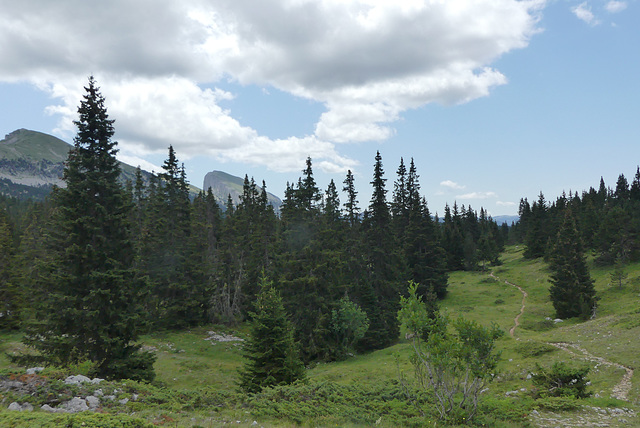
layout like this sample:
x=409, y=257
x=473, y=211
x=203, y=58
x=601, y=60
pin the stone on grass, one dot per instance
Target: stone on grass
x=93, y=402
x=75, y=405
x=24, y=407
x=78, y=379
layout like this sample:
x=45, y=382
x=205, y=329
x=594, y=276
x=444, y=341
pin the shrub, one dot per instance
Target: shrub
x=561, y=381
x=455, y=367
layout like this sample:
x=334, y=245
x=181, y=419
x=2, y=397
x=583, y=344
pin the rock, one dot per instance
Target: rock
x=98, y=393
x=25, y=407
x=557, y=320
x=124, y=401
x=75, y=405
x=134, y=397
x=110, y=397
x=221, y=337
x=78, y=379
x=34, y=370
x=48, y=408
x=93, y=402
x=13, y=384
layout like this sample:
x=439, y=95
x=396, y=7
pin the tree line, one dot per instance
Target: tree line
x=147, y=255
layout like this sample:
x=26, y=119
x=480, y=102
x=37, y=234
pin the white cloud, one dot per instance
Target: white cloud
x=477, y=195
x=452, y=185
x=615, y=6
x=506, y=204
x=367, y=61
x=583, y=12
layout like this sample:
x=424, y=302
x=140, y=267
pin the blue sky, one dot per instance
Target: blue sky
x=494, y=99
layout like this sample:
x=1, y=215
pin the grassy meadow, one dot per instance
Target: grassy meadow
x=196, y=377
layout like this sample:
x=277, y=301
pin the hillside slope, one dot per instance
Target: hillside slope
x=31, y=162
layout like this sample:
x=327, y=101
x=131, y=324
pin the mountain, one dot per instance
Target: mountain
x=222, y=185
x=499, y=219
x=32, y=162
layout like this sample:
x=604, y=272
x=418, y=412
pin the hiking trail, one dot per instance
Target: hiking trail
x=620, y=390
x=524, y=296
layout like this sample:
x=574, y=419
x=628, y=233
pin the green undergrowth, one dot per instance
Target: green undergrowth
x=84, y=420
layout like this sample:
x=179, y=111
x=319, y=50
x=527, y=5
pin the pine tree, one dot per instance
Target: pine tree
x=634, y=191
x=351, y=206
x=537, y=235
x=92, y=311
x=271, y=355
x=10, y=301
x=166, y=245
x=380, y=295
x=572, y=288
x=425, y=258
x=452, y=240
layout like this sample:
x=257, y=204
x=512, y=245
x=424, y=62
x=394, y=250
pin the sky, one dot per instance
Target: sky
x=495, y=100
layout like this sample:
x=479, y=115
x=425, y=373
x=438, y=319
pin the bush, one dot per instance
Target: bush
x=84, y=420
x=561, y=381
x=558, y=404
x=329, y=403
x=454, y=367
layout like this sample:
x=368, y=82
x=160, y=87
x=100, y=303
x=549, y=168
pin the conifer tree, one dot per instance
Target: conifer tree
x=424, y=256
x=92, y=310
x=379, y=296
x=634, y=191
x=536, y=234
x=271, y=355
x=452, y=240
x=165, y=248
x=351, y=205
x=572, y=288
x=9, y=296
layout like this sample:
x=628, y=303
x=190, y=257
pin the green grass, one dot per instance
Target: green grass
x=34, y=146
x=196, y=380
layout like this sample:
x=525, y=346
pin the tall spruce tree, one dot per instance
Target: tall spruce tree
x=425, y=258
x=351, y=205
x=572, y=288
x=379, y=294
x=92, y=310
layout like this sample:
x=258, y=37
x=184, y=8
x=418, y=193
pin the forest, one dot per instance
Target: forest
x=99, y=263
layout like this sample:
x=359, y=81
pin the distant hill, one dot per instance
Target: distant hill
x=222, y=185
x=32, y=162
x=506, y=219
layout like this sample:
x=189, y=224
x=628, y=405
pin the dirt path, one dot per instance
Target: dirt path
x=621, y=390
x=524, y=296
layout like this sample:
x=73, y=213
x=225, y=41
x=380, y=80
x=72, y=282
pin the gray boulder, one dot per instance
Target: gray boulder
x=93, y=402
x=75, y=405
x=24, y=407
